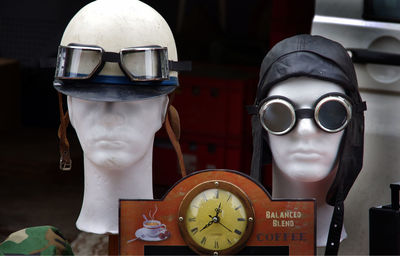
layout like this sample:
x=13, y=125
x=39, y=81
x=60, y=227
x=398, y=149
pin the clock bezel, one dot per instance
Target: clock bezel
x=212, y=184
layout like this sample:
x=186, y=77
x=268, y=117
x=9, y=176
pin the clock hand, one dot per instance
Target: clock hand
x=225, y=227
x=218, y=210
x=207, y=225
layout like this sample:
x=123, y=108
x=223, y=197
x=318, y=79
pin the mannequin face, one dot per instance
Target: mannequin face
x=114, y=135
x=306, y=153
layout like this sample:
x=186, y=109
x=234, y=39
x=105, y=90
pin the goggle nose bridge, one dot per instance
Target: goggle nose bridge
x=304, y=113
x=111, y=57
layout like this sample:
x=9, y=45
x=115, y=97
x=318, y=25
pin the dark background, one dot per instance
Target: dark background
x=222, y=38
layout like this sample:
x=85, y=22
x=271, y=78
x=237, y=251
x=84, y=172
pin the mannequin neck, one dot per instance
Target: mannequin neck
x=288, y=187
x=103, y=189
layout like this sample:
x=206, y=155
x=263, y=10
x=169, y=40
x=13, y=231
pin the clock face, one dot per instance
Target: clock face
x=216, y=217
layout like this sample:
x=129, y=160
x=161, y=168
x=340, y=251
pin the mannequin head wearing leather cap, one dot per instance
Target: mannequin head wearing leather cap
x=117, y=65
x=305, y=72
x=306, y=153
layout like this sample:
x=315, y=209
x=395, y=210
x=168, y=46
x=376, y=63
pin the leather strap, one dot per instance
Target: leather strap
x=172, y=126
x=65, y=159
x=335, y=230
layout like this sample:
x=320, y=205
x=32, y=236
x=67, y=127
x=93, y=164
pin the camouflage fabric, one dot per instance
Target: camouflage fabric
x=42, y=240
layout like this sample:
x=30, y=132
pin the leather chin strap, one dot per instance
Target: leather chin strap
x=335, y=230
x=172, y=125
x=65, y=158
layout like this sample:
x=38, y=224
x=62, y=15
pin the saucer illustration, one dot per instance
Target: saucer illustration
x=142, y=235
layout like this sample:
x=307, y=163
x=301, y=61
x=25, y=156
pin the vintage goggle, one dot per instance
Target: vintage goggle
x=147, y=63
x=331, y=112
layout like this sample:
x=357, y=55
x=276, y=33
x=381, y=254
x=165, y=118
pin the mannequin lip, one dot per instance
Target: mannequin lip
x=115, y=135
x=109, y=142
x=306, y=154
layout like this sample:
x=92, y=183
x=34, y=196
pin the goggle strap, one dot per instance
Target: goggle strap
x=180, y=65
x=65, y=158
x=304, y=113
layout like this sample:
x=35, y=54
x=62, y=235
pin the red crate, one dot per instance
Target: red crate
x=214, y=106
x=216, y=130
x=199, y=152
x=211, y=153
x=165, y=163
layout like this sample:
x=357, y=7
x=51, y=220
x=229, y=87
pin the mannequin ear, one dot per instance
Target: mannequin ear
x=70, y=110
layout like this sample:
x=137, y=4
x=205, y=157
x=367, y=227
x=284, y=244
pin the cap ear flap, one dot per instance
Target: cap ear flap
x=258, y=148
x=350, y=159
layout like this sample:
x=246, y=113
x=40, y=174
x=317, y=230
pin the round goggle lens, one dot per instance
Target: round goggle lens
x=332, y=115
x=277, y=117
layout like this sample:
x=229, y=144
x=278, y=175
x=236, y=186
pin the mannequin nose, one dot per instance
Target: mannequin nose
x=108, y=107
x=306, y=127
x=110, y=114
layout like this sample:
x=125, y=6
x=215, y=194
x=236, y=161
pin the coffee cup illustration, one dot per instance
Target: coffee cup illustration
x=153, y=228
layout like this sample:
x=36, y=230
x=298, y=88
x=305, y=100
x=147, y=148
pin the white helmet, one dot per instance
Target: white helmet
x=125, y=43
x=115, y=50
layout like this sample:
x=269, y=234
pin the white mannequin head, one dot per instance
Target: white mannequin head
x=305, y=159
x=306, y=153
x=116, y=134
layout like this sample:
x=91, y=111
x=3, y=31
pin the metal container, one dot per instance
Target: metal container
x=371, y=27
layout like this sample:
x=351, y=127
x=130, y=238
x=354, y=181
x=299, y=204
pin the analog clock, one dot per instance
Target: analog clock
x=216, y=217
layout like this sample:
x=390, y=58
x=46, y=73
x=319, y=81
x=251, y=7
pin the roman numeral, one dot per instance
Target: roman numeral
x=229, y=241
x=203, y=241
x=238, y=232
x=230, y=195
x=216, y=246
x=237, y=208
x=241, y=219
x=217, y=194
x=205, y=197
x=192, y=219
x=194, y=231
